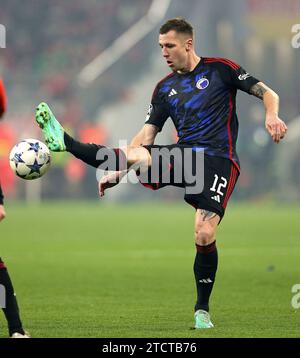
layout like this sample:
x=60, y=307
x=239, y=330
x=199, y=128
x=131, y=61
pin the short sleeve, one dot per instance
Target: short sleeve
x=158, y=111
x=237, y=77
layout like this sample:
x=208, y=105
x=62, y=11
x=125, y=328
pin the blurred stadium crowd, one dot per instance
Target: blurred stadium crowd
x=50, y=41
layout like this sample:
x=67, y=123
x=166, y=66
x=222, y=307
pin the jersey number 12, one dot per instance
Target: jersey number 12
x=218, y=185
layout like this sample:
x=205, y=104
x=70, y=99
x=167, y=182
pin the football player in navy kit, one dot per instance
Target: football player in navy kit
x=199, y=96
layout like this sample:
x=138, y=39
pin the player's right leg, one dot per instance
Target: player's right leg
x=210, y=205
x=205, y=264
x=202, y=320
x=93, y=154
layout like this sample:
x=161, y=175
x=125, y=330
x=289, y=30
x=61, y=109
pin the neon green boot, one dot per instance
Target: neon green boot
x=52, y=130
x=202, y=320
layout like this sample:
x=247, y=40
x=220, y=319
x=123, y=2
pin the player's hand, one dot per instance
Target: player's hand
x=276, y=127
x=109, y=181
x=2, y=212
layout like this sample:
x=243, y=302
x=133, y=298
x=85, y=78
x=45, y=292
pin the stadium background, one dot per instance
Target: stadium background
x=50, y=42
x=48, y=45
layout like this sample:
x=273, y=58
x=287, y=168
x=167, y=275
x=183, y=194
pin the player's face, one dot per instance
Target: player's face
x=175, y=49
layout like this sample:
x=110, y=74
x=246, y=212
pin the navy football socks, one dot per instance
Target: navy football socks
x=205, y=268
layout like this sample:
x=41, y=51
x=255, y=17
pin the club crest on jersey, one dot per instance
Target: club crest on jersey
x=202, y=83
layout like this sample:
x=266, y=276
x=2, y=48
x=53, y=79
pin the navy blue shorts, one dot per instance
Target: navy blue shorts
x=219, y=176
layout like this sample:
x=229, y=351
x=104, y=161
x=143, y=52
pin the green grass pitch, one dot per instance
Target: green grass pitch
x=96, y=270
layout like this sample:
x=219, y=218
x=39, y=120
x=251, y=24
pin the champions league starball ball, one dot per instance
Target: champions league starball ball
x=30, y=159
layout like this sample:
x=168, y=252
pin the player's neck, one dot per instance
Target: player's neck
x=191, y=65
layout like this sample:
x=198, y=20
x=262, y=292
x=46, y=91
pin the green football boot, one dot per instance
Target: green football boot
x=52, y=130
x=202, y=320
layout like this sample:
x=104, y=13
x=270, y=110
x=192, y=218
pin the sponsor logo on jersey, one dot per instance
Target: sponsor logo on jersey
x=244, y=76
x=149, y=112
x=202, y=83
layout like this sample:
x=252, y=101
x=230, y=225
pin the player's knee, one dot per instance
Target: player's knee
x=204, y=235
x=138, y=156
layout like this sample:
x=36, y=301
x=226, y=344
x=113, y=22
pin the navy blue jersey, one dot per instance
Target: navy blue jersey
x=201, y=103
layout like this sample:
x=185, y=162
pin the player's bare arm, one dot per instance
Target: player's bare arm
x=146, y=136
x=274, y=125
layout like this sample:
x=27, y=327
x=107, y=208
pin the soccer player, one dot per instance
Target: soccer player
x=11, y=310
x=199, y=95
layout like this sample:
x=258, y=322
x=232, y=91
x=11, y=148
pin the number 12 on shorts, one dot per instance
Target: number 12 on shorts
x=219, y=184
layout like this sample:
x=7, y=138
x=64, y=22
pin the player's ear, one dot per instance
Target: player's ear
x=189, y=44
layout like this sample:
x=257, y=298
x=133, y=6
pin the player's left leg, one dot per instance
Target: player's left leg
x=11, y=310
x=205, y=264
x=52, y=129
x=92, y=154
x=112, y=159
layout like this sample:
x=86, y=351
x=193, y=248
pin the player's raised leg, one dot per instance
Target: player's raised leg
x=205, y=265
x=58, y=141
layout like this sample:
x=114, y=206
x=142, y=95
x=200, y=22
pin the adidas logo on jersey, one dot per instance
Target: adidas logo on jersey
x=216, y=198
x=172, y=93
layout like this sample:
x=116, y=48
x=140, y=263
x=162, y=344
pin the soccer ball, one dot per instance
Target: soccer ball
x=30, y=159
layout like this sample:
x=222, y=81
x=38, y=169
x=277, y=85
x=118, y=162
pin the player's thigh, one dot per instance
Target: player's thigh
x=206, y=223
x=220, y=177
